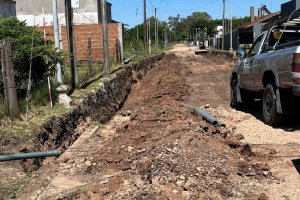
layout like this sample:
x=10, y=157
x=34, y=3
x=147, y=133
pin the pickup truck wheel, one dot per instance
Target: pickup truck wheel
x=233, y=94
x=270, y=114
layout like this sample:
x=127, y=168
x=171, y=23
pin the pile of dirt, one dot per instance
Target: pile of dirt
x=156, y=148
x=165, y=152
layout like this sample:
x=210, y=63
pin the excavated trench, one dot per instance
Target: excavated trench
x=152, y=147
x=100, y=106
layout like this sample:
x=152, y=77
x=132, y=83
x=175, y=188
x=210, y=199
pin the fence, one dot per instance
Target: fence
x=217, y=42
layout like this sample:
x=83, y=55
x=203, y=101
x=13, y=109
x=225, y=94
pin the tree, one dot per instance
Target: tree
x=131, y=34
x=174, y=24
x=180, y=27
x=21, y=39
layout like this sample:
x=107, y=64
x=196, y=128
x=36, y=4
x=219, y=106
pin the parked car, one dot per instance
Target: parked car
x=269, y=71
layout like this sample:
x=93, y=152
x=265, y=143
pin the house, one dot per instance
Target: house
x=7, y=8
x=87, y=21
x=290, y=15
x=250, y=31
x=247, y=33
x=288, y=7
x=38, y=12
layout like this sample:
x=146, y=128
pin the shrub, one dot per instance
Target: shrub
x=43, y=56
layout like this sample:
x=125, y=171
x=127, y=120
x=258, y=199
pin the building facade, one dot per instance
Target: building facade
x=37, y=12
x=87, y=20
x=7, y=8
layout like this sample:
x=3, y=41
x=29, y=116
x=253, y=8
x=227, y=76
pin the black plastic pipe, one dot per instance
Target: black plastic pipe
x=20, y=156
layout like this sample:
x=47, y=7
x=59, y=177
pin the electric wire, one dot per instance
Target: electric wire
x=85, y=17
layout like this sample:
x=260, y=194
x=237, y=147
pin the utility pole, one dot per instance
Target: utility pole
x=137, y=27
x=149, y=35
x=195, y=35
x=105, y=38
x=57, y=41
x=223, y=25
x=71, y=42
x=230, y=25
x=166, y=37
x=156, y=43
x=145, y=26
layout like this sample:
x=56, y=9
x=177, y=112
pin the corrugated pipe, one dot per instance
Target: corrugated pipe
x=206, y=116
x=21, y=156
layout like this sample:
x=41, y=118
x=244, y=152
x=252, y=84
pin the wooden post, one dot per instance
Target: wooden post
x=91, y=70
x=3, y=64
x=71, y=42
x=11, y=91
x=105, y=38
x=118, y=51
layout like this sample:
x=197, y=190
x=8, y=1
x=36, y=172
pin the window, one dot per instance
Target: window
x=256, y=45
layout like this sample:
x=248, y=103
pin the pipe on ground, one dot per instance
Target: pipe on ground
x=128, y=60
x=206, y=116
x=21, y=156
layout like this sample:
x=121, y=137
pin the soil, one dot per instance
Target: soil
x=156, y=148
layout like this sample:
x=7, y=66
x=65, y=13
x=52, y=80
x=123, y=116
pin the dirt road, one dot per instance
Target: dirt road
x=155, y=148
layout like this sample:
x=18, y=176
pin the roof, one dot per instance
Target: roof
x=281, y=21
x=261, y=20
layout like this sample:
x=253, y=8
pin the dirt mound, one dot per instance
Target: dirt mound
x=167, y=152
x=156, y=148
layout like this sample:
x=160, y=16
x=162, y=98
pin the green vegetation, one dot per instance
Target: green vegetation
x=43, y=55
x=14, y=187
x=178, y=28
x=84, y=73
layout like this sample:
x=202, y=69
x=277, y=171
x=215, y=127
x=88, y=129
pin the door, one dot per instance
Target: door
x=248, y=70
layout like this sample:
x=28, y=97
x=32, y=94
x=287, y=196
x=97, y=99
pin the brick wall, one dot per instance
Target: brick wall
x=82, y=35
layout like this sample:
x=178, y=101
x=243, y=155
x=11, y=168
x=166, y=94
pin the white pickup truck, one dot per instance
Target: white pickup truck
x=270, y=71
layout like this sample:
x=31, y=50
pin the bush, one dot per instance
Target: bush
x=44, y=56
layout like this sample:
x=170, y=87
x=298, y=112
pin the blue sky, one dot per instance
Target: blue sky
x=125, y=10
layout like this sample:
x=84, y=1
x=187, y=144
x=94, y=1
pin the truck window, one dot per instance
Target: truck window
x=288, y=36
x=256, y=45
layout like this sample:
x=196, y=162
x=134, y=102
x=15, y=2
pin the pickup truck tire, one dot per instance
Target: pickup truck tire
x=270, y=114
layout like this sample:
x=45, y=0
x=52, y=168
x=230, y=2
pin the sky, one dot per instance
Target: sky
x=131, y=11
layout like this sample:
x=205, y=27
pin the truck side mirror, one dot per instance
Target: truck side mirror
x=241, y=53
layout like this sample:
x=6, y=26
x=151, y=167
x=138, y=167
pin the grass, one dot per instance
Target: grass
x=15, y=186
x=84, y=73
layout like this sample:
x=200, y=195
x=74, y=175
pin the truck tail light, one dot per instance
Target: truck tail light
x=296, y=62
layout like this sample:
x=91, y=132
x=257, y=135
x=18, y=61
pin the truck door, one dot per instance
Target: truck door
x=245, y=81
x=251, y=62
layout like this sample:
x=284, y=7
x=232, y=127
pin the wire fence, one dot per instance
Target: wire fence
x=86, y=72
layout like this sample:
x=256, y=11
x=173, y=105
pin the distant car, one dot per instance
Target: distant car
x=202, y=45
